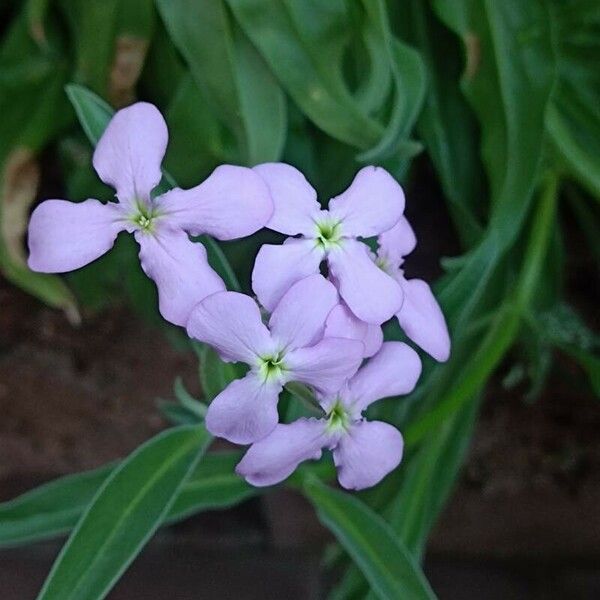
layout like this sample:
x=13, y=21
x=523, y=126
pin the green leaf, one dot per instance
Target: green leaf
x=177, y=414
x=509, y=79
x=94, y=115
x=409, y=77
x=573, y=119
x=127, y=510
x=187, y=410
x=508, y=82
x=92, y=111
x=215, y=374
x=200, y=144
x=187, y=400
x=478, y=363
x=368, y=539
x=92, y=31
x=303, y=44
x=213, y=485
x=429, y=477
x=447, y=124
x=51, y=509
x=54, y=508
x=234, y=78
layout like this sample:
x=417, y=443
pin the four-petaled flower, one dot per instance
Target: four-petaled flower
x=372, y=204
x=420, y=316
x=233, y=202
x=292, y=348
x=363, y=451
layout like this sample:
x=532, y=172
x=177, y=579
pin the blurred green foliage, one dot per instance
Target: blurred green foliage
x=502, y=99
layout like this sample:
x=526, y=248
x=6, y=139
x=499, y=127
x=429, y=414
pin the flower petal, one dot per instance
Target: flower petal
x=232, y=203
x=373, y=340
x=245, y=411
x=367, y=453
x=396, y=243
x=294, y=199
x=231, y=323
x=370, y=293
x=393, y=371
x=371, y=205
x=129, y=153
x=342, y=323
x=64, y=236
x=278, y=267
x=180, y=269
x=301, y=314
x=276, y=457
x=326, y=365
x=422, y=319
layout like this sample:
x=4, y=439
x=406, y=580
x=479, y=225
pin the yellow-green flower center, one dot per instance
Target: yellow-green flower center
x=329, y=233
x=145, y=217
x=271, y=367
x=338, y=418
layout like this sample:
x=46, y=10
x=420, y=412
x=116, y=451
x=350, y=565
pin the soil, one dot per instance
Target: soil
x=75, y=398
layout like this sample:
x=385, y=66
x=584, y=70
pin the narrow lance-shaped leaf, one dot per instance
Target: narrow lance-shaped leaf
x=476, y=368
x=127, y=510
x=447, y=124
x=409, y=78
x=92, y=31
x=234, y=78
x=303, y=43
x=495, y=85
x=573, y=120
x=54, y=508
x=381, y=556
x=508, y=82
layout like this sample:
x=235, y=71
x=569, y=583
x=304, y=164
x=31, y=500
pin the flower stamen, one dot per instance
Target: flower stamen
x=271, y=367
x=338, y=419
x=144, y=218
x=329, y=234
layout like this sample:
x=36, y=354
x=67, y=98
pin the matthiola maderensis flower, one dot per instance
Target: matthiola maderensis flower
x=420, y=316
x=372, y=204
x=233, y=202
x=290, y=349
x=364, y=452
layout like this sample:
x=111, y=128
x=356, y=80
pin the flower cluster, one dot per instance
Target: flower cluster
x=322, y=295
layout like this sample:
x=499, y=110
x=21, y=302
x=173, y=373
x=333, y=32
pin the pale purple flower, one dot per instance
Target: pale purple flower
x=420, y=317
x=233, y=202
x=372, y=204
x=364, y=452
x=290, y=349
